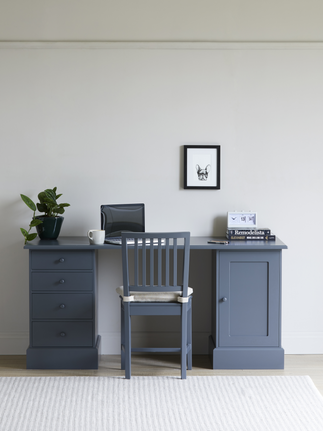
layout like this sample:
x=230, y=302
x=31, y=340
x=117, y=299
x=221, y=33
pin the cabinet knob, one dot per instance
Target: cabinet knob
x=63, y=334
x=62, y=281
x=224, y=299
x=62, y=306
x=61, y=260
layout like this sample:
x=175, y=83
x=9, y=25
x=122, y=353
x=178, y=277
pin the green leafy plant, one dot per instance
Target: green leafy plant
x=47, y=204
x=34, y=222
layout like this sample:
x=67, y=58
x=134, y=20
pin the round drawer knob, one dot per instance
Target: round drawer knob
x=62, y=281
x=62, y=260
x=62, y=306
x=63, y=334
x=224, y=299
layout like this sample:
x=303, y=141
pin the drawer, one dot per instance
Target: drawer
x=61, y=259
x=62, y=306
x=62, y=281
x=62, y=334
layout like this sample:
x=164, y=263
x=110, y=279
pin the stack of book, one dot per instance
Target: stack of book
x=250, y=235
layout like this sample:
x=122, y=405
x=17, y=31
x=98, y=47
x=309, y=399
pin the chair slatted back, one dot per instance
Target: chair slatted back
x=155, y=262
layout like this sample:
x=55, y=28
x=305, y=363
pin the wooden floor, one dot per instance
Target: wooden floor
x=295, y=365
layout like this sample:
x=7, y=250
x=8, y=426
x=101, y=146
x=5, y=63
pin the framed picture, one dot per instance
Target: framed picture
x=201, y=166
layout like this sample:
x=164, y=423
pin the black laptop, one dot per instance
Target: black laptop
x=116, y=219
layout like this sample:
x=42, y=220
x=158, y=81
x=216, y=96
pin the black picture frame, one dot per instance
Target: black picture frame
x=202, y=166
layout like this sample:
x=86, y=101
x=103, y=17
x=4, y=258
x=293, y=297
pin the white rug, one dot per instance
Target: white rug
x=159, y=404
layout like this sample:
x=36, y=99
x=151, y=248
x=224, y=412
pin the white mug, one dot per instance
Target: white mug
x=96, y=236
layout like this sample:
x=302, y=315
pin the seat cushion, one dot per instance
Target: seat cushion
x=154, y=297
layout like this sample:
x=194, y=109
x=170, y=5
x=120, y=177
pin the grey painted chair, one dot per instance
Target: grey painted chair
x=155, y=282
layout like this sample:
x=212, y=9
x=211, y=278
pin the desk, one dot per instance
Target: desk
x=246, y=304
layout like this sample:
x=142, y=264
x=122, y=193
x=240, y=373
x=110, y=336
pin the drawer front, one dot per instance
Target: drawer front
x=62, y=306
x=60, y=260
x=62, y=334
x=62, y=281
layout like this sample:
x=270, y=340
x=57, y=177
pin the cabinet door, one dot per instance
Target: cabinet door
x=248, y=298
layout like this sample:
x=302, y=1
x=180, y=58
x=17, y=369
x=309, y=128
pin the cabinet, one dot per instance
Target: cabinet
x=246, y=328
x=63, y=328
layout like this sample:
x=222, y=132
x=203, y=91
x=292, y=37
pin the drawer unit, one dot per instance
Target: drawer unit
x=62, y=306
x=61, y=260
x=62, y=309
x=62, y=281
x=62, y=334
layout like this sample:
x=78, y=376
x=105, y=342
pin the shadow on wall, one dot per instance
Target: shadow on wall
x=220, y=225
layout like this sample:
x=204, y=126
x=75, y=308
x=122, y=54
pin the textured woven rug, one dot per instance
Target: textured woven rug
x=160, y=403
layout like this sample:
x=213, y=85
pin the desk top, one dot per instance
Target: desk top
x=197, y=243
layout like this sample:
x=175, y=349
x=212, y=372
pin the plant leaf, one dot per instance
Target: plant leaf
x=31, y=236
x=41, y=208
x=58, y=196
x=24, y=232
x=60, y=210
x=35, y=222
x=30, y=204
x=41, y=196
x=50, y=194
x=64, y=205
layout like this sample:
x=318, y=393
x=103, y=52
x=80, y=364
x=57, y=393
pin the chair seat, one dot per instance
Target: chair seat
x=154, y=296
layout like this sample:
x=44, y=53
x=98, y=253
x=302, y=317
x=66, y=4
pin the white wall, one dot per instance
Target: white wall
x=106, y=122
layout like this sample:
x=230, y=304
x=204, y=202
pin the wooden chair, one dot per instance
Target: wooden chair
x=157, y=287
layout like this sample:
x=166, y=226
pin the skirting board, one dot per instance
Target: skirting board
x=294, y=343
x=110, y=341
x=303, y=343
x=14, y=343
x=163, y=45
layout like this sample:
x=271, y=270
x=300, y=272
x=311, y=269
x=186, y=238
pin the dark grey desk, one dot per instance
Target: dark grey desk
x=246, y=304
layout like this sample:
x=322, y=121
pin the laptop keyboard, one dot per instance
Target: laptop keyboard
x=118, y=241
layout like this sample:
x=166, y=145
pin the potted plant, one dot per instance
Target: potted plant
x=48, y=224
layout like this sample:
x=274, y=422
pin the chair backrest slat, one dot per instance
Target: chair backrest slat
x=143, y=262
x=160, y=263
x=155, y=262
x=167, y=263
x=175, y=262
x=152, y=266
x=136, y=263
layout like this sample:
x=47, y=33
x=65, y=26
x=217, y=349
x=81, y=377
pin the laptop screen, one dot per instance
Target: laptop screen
x=122, y=218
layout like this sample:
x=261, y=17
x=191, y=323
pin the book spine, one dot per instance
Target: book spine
x=250, y=232
x=251, y=237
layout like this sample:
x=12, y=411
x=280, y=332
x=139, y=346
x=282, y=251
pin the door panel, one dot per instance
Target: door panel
x=248, y=299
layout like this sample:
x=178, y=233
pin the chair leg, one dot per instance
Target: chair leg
x=122, y=338
x=189, y=336
x=127, y=322
x=184, y=341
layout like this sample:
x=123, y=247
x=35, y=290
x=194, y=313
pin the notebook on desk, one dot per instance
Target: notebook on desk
x=116, y=219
